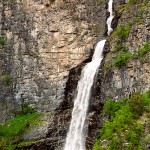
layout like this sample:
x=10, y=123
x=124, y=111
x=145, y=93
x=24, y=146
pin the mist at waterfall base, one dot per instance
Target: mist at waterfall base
x=76, y=136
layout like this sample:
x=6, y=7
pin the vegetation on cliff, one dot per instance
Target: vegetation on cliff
x=122, y=59
x=128, y=126
x=122, y=49
x=2, y=41
x=12, y=131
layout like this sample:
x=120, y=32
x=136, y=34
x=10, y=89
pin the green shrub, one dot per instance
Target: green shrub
x=134, y=135
x=110, y=107
x=121, y=60
x=2, y=41
x=137, y=104
x=97, y=146
x=115, y=143
x=144, y=50
x=123, y=116
x=7, y=79
x=26, y=110
x=123, y=32
x=123, y=127
x=132, y=2
x=125, y=49
x=120, y=47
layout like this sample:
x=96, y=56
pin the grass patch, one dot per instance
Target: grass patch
x=142, y=51
x=15, y=128
x=132, y=2
x=125, y=129
x=24, y=144
x=17, y=125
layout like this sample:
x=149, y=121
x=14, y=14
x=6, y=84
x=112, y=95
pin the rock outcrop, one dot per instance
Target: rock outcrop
x=121, y=82
x=44, y=40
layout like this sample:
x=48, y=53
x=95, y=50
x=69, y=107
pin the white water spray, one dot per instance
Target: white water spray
x=109, y=20
x=76, y=136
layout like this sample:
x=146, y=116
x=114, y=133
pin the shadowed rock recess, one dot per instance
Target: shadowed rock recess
x=47, y=43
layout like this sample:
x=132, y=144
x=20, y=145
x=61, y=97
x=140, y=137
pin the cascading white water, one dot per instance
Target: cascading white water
x=109, y=20
x=76, y=136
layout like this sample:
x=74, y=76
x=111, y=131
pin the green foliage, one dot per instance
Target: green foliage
x=2, y=41
x=101, y=2
x=123, y=32
x=133, y=135
x=133, y=2
x=121, y=60
x=119, y=47
x=97, y=146
x=15, y=128
x=17, y=125
x=144, y=50
x=110, y=107
x=7, y=79
x=123, y=126
x=28, y=143
x=26, y=110
x=138, y=20
x=137, y=104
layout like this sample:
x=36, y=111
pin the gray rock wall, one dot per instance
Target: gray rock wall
x=118, y=83
x=44, y=41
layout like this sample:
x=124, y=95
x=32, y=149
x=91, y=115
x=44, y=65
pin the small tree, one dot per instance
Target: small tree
x=137, y=104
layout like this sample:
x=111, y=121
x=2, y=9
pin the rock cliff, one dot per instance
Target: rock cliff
x=47, y=43
x=131, y=37
x=44, y=40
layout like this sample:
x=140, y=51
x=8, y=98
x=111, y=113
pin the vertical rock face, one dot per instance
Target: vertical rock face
x=44, y=41
x=117, y=83
x=121, y=82
x=47, y=44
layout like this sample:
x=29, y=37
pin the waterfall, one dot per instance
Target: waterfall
x=109, y=20
x=77, y=135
